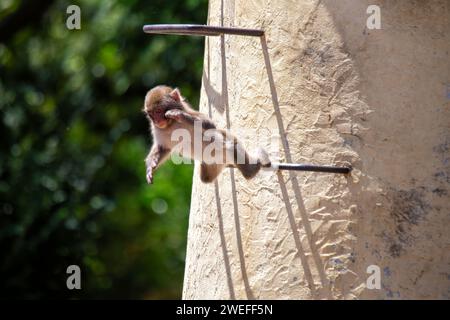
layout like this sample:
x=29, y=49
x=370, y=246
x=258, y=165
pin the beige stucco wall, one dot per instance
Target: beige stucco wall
x=340, y=94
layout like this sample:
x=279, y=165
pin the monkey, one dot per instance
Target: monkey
x=167, y=110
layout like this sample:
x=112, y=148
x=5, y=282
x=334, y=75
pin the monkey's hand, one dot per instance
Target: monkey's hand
x=150, y=168
x=149, y=175
x=175, y=114
x=158, y=154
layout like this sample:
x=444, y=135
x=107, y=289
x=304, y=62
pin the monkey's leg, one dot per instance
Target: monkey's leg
x=249, y=170
x=252, y=164
x=209, y=172
x=157, y=155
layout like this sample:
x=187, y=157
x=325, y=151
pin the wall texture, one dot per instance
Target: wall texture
x=329, y=91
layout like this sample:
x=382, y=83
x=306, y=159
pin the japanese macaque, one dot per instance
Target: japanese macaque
x=170, y=116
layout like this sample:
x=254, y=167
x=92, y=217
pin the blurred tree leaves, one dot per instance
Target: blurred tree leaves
x=73, y=140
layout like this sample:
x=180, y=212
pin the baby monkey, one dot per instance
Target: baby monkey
x=167, y=112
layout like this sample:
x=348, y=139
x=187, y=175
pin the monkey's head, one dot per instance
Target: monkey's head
x=158, y=101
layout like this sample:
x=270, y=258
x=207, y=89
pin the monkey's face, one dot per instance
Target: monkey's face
x=157, y=116
x=158, y=101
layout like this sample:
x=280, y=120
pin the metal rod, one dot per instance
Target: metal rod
x=308, y=167
x=199, y=30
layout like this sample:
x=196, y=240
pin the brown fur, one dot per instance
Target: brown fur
x=176, y=110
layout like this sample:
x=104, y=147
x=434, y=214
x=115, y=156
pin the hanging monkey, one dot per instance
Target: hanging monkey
x=167, y=111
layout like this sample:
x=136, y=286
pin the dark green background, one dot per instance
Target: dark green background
x=73, y=141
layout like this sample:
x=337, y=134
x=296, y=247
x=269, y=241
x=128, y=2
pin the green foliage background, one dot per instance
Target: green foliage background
x=73, y=140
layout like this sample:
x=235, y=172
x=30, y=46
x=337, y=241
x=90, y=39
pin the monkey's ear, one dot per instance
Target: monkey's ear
x=176, y=95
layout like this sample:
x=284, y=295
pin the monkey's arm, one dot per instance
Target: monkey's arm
x=157, y=155
x=188, y=118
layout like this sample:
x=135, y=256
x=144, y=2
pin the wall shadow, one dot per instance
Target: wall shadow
x=223, y=243
x=237, y=222
x=293, y=225
x=220, y=101
x=295, y=186
x=215, y=98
